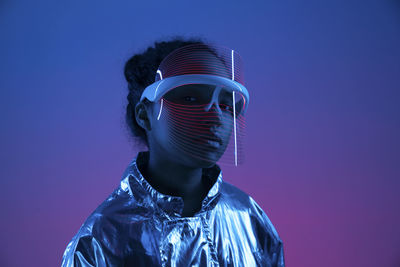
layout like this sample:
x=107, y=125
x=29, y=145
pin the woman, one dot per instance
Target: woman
x=172, y=207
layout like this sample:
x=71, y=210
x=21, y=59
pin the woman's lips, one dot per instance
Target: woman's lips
x=211, y=140
x=213, y=144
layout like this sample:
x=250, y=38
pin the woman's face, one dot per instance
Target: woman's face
x=193, y=124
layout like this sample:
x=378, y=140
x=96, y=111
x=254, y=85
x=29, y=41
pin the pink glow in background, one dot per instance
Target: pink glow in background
x=323, y=124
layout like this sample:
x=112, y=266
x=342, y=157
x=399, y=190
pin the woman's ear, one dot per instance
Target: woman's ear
x=142, y=112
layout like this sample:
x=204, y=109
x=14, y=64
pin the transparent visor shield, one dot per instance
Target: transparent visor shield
x=199, y=90
x=205, y=122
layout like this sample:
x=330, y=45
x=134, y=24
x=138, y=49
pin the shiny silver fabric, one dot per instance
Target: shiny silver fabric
x=138, y=226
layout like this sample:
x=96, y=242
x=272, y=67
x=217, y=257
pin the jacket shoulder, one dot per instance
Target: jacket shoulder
x=86, y=247
x=270, y=244
x=241, y=199
x=98, y=241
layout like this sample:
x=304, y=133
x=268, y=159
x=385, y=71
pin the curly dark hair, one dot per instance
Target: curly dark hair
x=140, y=71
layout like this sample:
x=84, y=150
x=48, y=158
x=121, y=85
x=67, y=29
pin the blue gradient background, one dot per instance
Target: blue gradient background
x=323, y=125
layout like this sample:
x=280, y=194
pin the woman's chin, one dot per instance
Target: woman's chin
x=196, y=158
x=205, y=160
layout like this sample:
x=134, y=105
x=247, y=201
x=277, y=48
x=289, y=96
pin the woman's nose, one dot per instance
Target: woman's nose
x=214, y=114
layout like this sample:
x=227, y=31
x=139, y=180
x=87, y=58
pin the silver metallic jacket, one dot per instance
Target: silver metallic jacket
x=138, y=226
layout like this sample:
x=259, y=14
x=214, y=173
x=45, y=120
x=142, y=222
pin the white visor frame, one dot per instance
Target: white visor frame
x=156, y=90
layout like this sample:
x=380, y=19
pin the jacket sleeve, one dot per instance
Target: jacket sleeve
x=271, y=246
x=84, y=251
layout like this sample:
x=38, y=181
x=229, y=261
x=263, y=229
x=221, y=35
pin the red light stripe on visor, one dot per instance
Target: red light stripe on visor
x=202, y=59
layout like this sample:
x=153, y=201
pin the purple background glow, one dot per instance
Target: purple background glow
x=323, y=124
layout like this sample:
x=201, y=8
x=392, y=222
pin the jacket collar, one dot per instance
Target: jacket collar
x=170, y=205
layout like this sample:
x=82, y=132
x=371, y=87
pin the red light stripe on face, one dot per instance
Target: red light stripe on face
x=192, y=129
x=203, y=125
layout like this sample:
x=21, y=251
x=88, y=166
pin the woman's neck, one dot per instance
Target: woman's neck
x=171, y=178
